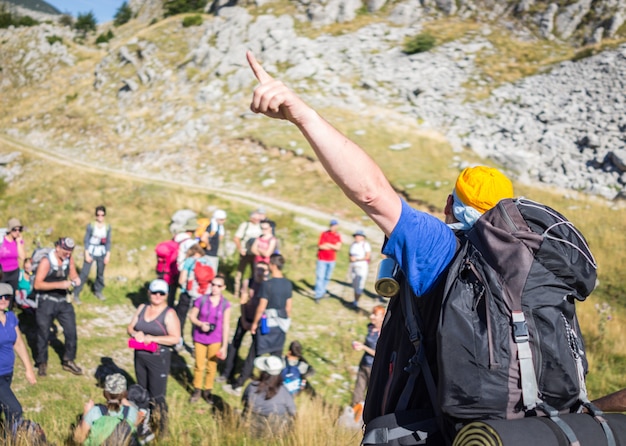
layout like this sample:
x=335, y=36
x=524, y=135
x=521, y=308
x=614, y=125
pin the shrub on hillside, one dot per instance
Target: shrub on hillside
x=85, y=22
x=122, y=15
x=173, y=7
x=26, y=21
x=67, y=20
x=192, y=20
x=105, y=37
x=419, y=44
x=54, y=39
x=7, y=18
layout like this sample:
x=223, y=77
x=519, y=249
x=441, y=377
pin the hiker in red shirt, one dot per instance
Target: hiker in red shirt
x=329, y=244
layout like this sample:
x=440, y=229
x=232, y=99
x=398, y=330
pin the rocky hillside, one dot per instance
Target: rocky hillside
x=158, y=91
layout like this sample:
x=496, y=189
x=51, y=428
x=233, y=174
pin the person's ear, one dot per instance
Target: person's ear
x=449, y=203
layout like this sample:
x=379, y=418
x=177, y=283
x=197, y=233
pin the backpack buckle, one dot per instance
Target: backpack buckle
x=520, y=327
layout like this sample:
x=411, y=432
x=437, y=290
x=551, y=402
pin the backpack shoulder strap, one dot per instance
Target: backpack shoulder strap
x=103, y=409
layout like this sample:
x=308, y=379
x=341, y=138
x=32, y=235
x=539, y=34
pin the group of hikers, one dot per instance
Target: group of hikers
x=188, y=287
x=457, y=343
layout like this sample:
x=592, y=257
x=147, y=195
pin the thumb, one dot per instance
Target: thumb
x=257, y=69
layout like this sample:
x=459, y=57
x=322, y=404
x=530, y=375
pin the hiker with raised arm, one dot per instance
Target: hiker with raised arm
x=457, y=344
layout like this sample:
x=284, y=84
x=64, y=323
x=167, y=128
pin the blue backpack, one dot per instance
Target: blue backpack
x=292, y=378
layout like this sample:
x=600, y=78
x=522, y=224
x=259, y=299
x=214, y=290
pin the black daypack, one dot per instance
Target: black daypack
x=496, y=338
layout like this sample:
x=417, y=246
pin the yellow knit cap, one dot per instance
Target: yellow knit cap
x=482, y=187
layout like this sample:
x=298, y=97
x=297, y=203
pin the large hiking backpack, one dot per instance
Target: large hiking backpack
x=166, y=254
x=199, y=278
x=31, y=299
x=503, y=327
x=111, y=430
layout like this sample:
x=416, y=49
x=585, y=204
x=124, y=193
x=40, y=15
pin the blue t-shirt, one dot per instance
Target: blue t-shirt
x=422, y=245
x=95, y=413
x=8, y=336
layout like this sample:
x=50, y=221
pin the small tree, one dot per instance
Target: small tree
x=123, y=15
x=85, y=22
x=105, y=37
x=67, y=20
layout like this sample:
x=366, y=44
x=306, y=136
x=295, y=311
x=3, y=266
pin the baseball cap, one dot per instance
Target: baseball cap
x=66, y=243
x=333, y=222
x=115, y=383
x=359, y=232
x=159, y=285
x=6, y=289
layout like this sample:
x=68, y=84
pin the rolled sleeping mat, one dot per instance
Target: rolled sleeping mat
x=542, y=431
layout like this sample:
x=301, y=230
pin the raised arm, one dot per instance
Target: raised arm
x=349, y=166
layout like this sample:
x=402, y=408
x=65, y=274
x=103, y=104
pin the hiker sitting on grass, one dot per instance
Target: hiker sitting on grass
x=100, y=422
x=267, y=403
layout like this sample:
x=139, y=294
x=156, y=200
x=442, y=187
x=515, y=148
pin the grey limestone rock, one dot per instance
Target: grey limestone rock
x=546, y=21
x=568, y=20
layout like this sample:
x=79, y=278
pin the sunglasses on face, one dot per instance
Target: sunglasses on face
x=6, y=297
x=17, y=228
x=160, y=293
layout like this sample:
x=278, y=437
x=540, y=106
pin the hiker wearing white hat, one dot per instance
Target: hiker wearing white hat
x=360, y=252
x=267, y=403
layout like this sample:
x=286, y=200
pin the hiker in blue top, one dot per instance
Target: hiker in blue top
x=421, y=244
x=11, y=342
x=97, y=249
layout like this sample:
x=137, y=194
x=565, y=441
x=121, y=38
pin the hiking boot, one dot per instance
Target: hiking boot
x=195, y=396
x=206, y=396
x=100, y=296
x=70, y=366
x=42, y=369
x=144, y=434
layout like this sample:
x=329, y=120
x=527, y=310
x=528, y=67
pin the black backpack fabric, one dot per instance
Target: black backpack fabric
x=451, y=356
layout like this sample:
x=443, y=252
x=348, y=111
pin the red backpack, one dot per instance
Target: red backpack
x=199, y=278
x=166, y=254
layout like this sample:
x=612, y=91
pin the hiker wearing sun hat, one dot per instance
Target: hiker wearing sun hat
x=267, y=403
x=360, y=252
